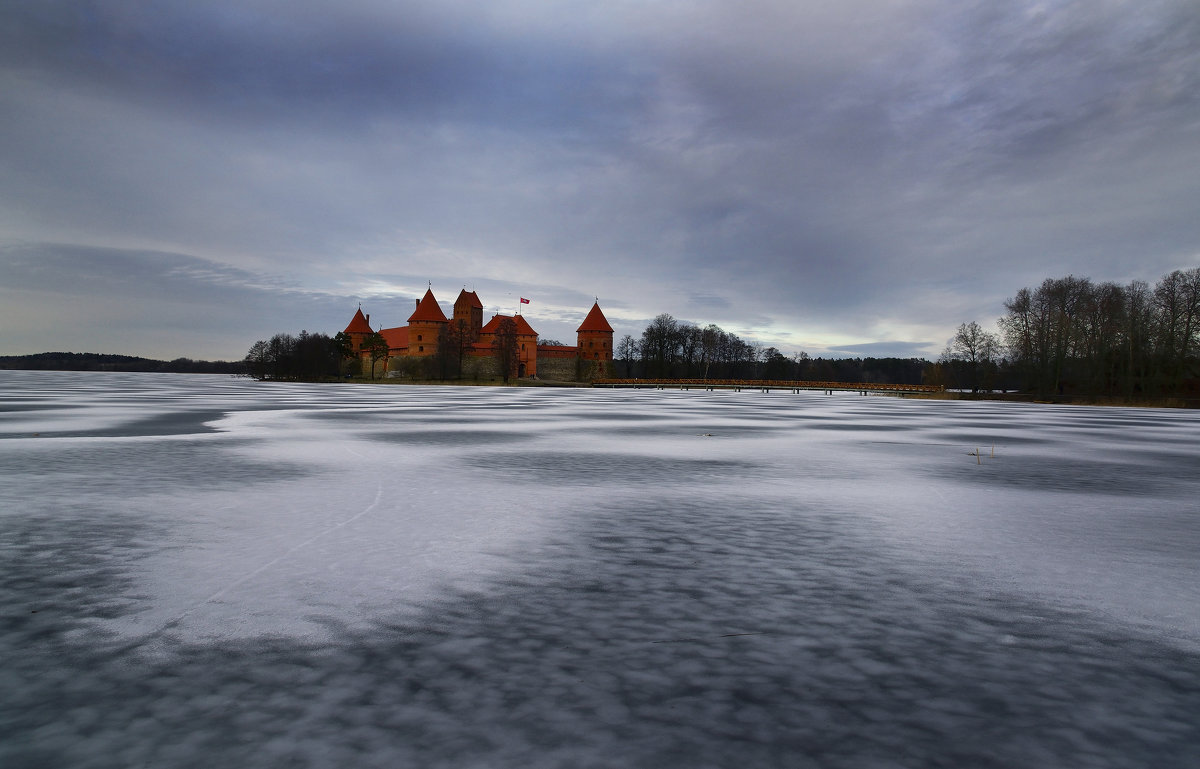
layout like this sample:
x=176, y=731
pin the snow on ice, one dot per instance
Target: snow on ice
x=200, y=570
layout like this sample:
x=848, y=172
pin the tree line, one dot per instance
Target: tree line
x=304, y=357
x=90, y=361
x=673, y=349
x=1077, y=337
x=1067, y=336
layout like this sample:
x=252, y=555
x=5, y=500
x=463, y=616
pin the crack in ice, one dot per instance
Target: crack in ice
x=242, y=580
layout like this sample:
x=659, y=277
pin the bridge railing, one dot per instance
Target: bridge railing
x=769, y=384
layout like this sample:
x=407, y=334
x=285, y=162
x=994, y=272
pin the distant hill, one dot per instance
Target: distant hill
x=91, y=361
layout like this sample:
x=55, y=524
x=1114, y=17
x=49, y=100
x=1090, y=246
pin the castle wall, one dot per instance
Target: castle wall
x=556, y=368
x=480, y=368
x=484, y=368
x=557, y=351
x=573, y=369
x=595, y=369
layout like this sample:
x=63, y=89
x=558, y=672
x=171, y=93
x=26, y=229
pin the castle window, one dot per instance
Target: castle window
x=591, y=344
x=418, y=337
x=421, y=348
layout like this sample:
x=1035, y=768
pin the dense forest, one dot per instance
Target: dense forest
x=303, y=357
x=1072, y=336
x=90, y=361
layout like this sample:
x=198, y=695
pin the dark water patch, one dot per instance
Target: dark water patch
x=426, y=419
x=592, y=469
x=674, y=430
x=368, y=415
x=1108, y=419
x=1181, y=463
x=174, y=423
x=1065, y=473
x=452, y=438
x=676, y=636
x=132, y=468
x=620, y=415
x=860, y=427
x=805, y=417
x=59, y=574
x=986, y=437
x=46, y=405
x=1150, y=438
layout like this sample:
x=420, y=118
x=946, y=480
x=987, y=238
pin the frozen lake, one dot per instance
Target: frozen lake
x=209, y=571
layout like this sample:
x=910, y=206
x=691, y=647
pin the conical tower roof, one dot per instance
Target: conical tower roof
x=428, y=309
x=595, y=321
x=522, y=325
x=358, y=324
x=470, y=298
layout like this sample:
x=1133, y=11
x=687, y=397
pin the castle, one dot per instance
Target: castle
x=477, y=340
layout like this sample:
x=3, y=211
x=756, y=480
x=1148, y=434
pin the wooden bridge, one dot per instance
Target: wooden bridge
x=766, y=385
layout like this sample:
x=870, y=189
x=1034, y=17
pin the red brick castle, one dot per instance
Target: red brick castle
x=427, y=324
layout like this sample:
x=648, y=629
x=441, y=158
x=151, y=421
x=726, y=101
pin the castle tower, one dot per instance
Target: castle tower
x=358, y=330
x=468, y=314
x=526, y=341
x=425, y=325
x=595, y=336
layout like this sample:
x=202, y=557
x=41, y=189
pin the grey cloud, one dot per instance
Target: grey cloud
x=882, y=350
x=709, y=301
x=72, y=269
x=340, y=65
x=832, y=173
x=160, y=304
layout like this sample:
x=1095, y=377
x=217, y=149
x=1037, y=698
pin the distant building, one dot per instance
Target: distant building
x=428, y=324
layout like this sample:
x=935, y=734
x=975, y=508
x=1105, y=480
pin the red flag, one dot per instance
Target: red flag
x=524, y=300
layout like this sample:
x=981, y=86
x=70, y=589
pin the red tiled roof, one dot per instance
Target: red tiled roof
x=428, y=309
x=471, y=298
x=523, y=327
x=595, y=321
x=358, y=324
x=396, y=338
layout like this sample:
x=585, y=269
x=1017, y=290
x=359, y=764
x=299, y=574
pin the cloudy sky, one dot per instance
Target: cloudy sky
x=851, y=177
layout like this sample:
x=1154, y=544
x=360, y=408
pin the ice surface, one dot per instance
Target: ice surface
x=201, y=570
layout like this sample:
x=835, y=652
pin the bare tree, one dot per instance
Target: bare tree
x=505, y=348
x=1177, y=305
x=447, y=359
x=627, y=351
x=343, y=346
x=660, y=344
x=977, y=349
x=376, y=348
x=710, y=347
x=258, y=360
